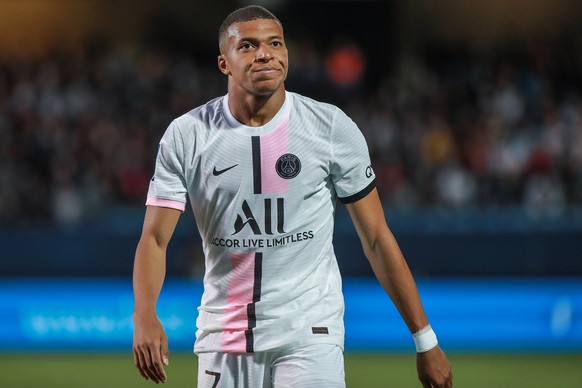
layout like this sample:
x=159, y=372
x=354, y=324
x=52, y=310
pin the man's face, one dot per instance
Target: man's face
x=254, y=56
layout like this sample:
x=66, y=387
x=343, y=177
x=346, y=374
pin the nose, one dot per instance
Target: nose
x=263, y=53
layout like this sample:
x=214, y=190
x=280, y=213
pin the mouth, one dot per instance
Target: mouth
x=266, y=70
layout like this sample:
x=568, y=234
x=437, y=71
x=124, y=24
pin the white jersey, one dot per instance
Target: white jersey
x=264, y=202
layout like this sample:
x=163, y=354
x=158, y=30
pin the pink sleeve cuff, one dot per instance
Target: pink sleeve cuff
x=151, y=201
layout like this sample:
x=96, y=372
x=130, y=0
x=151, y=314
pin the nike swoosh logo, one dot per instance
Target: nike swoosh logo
x=216, y=172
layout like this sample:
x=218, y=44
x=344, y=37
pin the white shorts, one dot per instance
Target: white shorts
x=317, y=366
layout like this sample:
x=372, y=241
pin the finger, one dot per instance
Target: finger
x=165, y=354
x=145, y=363
x=447, y=381
x=148, y=365
x=138, y=364
x=426, y=383
x=156, y=366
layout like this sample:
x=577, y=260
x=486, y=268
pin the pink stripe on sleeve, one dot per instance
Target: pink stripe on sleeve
x=151, y=201
x=239, y=295
x=273, y=146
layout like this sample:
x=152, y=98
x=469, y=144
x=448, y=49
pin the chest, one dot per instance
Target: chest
x=283, y=162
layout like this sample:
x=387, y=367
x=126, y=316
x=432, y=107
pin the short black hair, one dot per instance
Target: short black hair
x=244, y=14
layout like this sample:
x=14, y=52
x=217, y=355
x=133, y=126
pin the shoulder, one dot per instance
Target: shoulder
x=323, y=113
x=324, y=109
x=205, y=114
x=189, y=128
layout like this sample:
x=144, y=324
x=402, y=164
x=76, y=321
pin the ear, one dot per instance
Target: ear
x=222, y=66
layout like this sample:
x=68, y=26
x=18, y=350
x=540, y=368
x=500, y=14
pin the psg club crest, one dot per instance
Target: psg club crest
x=288, y=166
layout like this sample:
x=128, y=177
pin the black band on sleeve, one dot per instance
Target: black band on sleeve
x=359, y=195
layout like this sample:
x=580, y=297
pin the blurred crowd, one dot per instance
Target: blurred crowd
x=455, y=129
x=446, y=128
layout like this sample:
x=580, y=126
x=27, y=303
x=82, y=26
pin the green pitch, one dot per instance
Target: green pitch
x=362, y=371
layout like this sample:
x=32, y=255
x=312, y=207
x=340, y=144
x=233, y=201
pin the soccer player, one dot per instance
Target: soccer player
x=262, y=169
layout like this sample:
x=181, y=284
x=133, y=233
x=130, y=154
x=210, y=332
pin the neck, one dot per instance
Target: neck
x=255, y=111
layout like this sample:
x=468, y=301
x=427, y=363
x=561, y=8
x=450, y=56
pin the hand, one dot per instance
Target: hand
x=150, y=348
x=434, y=370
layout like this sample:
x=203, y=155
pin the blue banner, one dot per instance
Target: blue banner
x=468, y=315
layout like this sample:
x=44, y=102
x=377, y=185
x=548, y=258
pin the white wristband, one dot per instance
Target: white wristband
x=425, y=339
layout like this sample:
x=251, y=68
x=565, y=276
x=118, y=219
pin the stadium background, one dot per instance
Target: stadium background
x=472, y=111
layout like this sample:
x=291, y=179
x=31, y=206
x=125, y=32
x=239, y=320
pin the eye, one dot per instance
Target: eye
x=277, y=44
x=245, y=46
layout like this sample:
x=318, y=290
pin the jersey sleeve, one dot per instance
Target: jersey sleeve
x=168, y=185
x=351, y=169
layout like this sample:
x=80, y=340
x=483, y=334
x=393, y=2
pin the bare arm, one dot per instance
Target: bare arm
x=389, y=266
x=150, y=343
